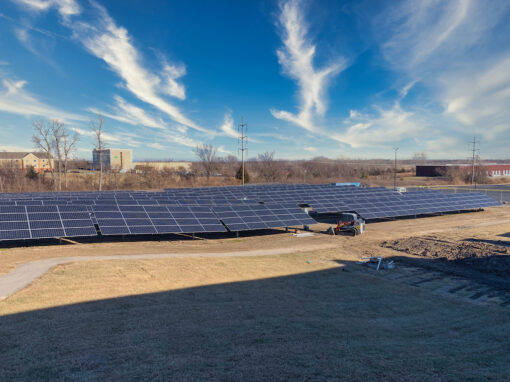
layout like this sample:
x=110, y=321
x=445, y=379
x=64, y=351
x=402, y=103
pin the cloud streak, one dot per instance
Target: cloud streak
x=15, y=99
x=296, y=58
x=111, y=43
x=482, y=103
x=66, y=8
x=130, y=114
x=228, y=126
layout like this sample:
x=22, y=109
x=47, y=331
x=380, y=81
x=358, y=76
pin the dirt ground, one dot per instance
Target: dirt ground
x=311, y=315
x=492, y=258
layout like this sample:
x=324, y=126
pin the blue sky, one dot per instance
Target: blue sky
x=311, y=78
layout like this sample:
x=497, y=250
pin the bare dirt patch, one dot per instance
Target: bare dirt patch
x=481, y=256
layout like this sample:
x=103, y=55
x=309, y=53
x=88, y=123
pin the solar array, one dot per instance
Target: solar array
x=260, y=216
x=211, y=209
x=37, y=222
x=126, y=220
x=416, y=203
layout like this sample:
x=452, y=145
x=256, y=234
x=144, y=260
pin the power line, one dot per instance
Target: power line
x=474, y=150
x=395, y=170
x=243, y=142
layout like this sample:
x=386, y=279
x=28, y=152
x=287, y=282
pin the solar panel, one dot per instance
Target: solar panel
x=37, y=222
x=152, y=219
x=258, y=216
x=28, y=215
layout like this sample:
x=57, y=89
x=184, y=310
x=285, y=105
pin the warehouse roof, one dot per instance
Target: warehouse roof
x=20, y=154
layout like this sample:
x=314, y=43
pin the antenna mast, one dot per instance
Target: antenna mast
x=243, y=142
x=395, y=170
x=473, y=150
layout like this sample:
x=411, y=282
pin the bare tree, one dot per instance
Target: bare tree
x=420, y=157
x=208, y=159
x=43, y=141
x=58, y=133
x=268, y=168
x=96, y=125
x=68, y=147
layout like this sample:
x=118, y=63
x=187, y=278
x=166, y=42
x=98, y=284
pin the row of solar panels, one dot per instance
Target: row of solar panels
x=412, y=206
x=205, y=199
x=211, y=192
x=36, y=222
x=222, y=189
x=198, y=210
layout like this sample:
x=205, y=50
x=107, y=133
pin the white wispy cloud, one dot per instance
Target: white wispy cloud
x=310, y=149
x=119, y=138
x=228, y=126
x=385, y=127
x=223, y=150
x=420, y=28
x=38, y=47
x=453, y=146
x=131, y=114
x=106, y=40
x=480, y=104
x=169, y=85
x=113, y=45
x=16, y=148
x=182, y=140
x=181, y=129
x=297, y=60
x=66, y=8
x=16, y=100
x=454, y=49
x=156, y=146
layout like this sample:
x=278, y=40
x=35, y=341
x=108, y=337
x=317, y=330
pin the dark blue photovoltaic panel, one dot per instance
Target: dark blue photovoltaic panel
x=114, y=230
x=258, y=216
x=141, y=219
x=189, y=209
x=13, y=225
x=48, y=221
x=80, y=231
x=15, y=235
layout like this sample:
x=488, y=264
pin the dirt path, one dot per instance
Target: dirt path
x=24, y=274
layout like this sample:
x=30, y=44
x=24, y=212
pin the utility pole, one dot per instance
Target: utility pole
x=242, y=141
x=395, y=170
x=473, y=150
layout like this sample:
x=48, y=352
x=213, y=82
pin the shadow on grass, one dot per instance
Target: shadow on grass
x=333, y=218
x=323, y=325
x=503, y=243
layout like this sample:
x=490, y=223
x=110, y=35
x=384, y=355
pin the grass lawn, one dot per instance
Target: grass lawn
x=259, y=319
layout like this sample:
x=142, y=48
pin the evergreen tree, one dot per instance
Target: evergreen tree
x=239, y=174
x=31, y=173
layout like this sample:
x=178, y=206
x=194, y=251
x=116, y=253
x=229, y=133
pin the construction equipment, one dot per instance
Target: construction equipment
x=349, y=222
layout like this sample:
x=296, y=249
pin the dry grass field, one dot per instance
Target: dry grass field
x=309, y=315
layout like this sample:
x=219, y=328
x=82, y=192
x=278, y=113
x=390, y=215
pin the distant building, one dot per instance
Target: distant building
x=23, y=160
x=175, y=166
x=493, y=169
x=113, y=159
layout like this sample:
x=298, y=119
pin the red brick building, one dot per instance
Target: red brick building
x=493, y=169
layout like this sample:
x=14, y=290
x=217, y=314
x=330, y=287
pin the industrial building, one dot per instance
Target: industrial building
x=113, y=159
x=174, y=166
x=23, y=160
x=492, y=169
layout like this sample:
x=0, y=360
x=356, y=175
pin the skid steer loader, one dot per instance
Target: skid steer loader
x=349, y=223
